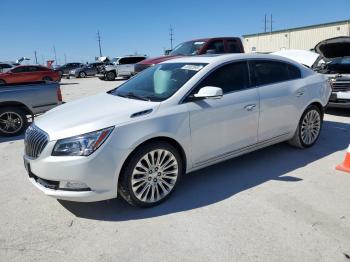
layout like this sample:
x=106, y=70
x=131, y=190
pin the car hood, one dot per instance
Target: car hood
x=304, y=57
x=91, y=114
x=157, y=60
x=334, y=47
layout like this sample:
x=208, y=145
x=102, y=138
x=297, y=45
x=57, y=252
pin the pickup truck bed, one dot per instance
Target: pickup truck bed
x=17, y=101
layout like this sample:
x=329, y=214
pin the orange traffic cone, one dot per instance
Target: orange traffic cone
x=345, y=166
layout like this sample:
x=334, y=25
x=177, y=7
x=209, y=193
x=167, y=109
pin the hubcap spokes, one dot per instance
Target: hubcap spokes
x=10, y=122
x=310, y=127
x=154, y=176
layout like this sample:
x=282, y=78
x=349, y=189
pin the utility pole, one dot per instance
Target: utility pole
x=271, y=21
x=36, y=59
x=265, y=24
x=65, y=58
x=99, y=42
x=54, y=50
x=171, y=37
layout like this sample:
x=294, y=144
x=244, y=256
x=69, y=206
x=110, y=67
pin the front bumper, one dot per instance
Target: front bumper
x=339, y=99
x=99, y=172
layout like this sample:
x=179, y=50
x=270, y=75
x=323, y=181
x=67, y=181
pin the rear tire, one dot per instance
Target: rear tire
x=13, y=121
x=150, y=174
x=309, y=128
x=82, y=74
x=110, y=76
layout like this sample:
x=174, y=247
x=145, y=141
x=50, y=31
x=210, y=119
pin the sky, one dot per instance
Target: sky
x=142, y=26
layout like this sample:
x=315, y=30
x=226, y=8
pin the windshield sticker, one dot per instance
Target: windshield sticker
x=198, y=43
x=192, y=67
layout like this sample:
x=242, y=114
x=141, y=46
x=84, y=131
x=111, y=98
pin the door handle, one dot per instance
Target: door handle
x=250, y=107
x=300, y=93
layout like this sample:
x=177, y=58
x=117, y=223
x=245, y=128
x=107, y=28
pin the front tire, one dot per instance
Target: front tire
x=110, y=76
x=309, y=128
x=13, y=121
x=150, y=174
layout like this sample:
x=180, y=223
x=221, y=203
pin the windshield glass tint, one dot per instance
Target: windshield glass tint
x=188, y=48
x=158, y=82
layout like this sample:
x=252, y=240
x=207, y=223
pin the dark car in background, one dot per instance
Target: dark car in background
x=66, y=68
x=28, y=73
x=90, y=69
x=217, y=45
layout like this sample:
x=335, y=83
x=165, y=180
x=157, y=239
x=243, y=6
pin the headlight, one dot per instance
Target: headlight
x=82, y=145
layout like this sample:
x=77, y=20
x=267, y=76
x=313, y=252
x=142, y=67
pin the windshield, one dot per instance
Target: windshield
x=159, y=82
x=188, y=48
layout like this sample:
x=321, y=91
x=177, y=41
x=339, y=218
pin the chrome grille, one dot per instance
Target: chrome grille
x=35, y=141
x=339, y=86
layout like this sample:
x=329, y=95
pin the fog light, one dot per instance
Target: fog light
x=73, y=185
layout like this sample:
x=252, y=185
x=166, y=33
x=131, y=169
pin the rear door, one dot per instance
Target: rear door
x=220, y=127
x=281, y=96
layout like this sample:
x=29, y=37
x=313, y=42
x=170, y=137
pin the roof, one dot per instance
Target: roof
x=298, y=28
x=209, y=59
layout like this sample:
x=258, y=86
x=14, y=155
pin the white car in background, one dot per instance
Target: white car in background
x=175, y=117
x=123, y=67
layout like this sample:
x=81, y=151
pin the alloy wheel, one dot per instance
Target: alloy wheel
x=10, y=122
x=310, y=127
x=154, y=176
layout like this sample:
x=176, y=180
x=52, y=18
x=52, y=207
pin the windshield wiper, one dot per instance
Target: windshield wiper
x=132, y=95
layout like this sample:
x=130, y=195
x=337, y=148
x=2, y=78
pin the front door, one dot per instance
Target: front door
x=220, y=127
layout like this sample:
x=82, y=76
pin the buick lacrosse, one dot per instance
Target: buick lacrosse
x=173, y=118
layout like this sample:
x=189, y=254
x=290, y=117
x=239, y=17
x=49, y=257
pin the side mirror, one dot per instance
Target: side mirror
x=210, y=92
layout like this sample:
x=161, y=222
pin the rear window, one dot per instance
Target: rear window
x=294, y=72
x=233, y=46
x=130, y=60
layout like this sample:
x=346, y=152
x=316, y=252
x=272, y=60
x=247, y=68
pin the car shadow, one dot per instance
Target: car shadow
x=11, y=139
x=224, y=180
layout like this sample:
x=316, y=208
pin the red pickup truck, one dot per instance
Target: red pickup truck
x=28, y=73
x=217, y=45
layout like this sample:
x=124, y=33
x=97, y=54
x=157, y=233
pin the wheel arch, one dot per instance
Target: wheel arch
x=17, y=104
x=318, y=104
x=166, y=139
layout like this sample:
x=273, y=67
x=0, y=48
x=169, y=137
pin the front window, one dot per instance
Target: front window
x=188, y=48
x=159, y=82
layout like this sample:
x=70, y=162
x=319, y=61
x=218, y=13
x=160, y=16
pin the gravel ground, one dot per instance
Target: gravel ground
x=276, y=204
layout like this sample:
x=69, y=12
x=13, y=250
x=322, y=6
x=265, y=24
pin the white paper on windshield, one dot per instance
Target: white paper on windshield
x=192, y=67
x=198, y=43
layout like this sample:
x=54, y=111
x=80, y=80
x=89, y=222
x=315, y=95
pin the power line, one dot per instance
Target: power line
x=99, y=42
